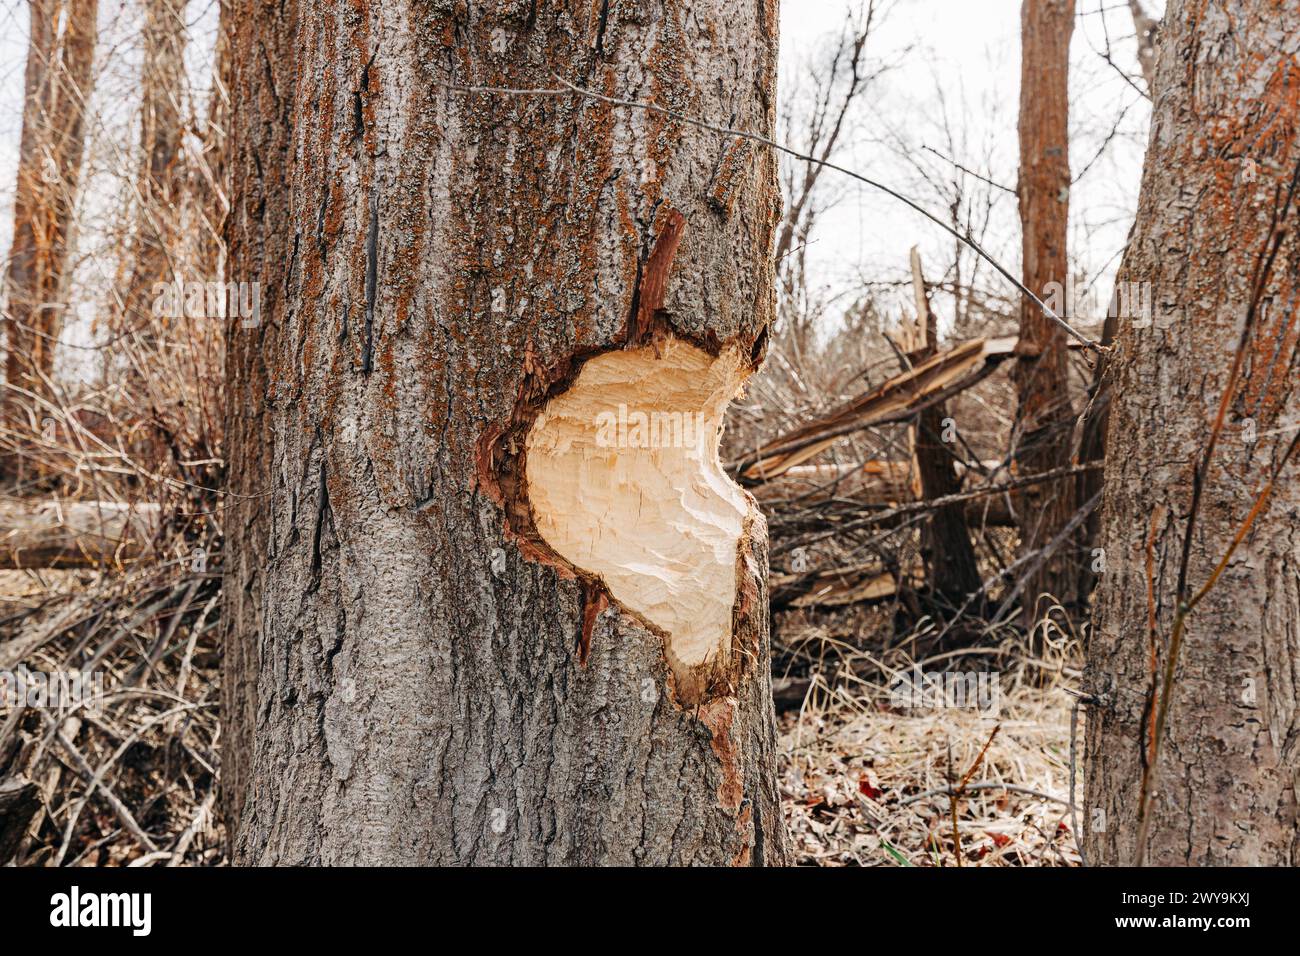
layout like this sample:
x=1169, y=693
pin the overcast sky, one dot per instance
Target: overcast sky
x=964, y=59
x=953, y=57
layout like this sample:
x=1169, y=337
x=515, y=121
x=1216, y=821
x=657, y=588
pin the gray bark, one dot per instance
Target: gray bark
x=1216, y=241
x=409, y=679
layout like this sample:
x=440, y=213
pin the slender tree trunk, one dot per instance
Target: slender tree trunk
x=57, y=84
x=161, y=179
x=1147, y=28
x=1044, y=416
x=1216, y=245
x=256, y=174
x=463, y=629
x=157, y=255
x=951, y=570
x=207, y=176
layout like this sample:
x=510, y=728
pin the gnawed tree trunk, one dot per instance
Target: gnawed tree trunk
x=1216, y=244
x=1044, y=417
x=469, y=622
x=56, y=87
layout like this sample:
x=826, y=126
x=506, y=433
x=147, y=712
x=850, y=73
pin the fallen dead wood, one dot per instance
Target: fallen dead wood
x=835, y=587
x=928, y=383
x=65, y=534
x=819, y=525
x=982, y=509
x=19, y=801
x=876, y=481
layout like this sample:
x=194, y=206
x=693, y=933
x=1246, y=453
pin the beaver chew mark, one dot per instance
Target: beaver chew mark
x=624, y=480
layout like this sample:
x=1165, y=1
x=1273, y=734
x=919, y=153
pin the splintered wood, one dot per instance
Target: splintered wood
x=625, y=483
x=901, y=397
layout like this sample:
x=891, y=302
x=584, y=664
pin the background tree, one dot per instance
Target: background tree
x=415, y=672
x=161, y=176
x=1195, y=656
x=1044, y=417
x=56, y=87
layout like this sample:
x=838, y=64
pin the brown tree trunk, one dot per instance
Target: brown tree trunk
x=951, y=571
x=57, y=84
x=1147, y=28
x=463, y=630
x=160, y=180
x=157, y=257
x=1044, y=416
x=1216, y=244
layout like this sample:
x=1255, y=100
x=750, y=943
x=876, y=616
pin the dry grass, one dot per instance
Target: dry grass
x=866, y=782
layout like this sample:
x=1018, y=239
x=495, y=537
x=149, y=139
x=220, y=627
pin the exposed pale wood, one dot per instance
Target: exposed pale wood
x=624, y=480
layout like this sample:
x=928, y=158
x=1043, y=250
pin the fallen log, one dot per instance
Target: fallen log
x=69, y=534
x=835, y=587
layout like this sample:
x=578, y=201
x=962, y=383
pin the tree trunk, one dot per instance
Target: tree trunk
x=160, y=180
x=57, y=84
x=471, y=624
x=157, y=256
x=1147, y=28
x=1216, y=245
x=1044, y=416
x=951, y=571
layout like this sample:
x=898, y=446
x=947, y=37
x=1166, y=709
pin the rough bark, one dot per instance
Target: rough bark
x=414, y=674
x=1216, y=241
x=1044, y=416
x=56, y=86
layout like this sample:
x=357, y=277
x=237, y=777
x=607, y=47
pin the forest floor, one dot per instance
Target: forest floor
x=864, y=781
x=868, y=778
x=864, y=786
